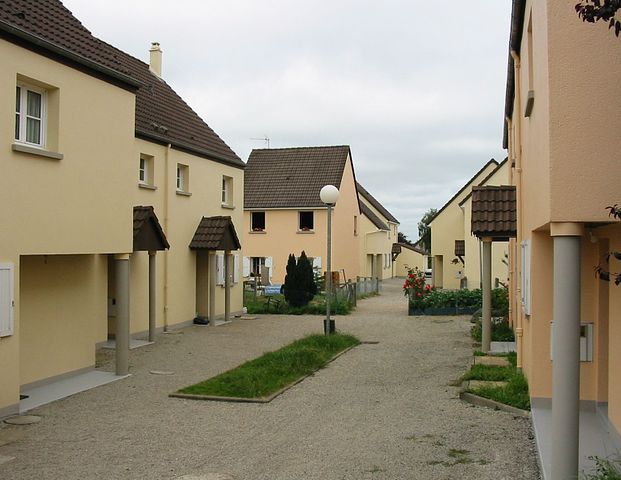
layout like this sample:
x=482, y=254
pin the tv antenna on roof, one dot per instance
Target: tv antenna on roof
x=265, y=139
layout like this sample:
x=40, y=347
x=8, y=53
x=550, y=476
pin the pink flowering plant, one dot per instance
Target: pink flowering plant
x=415, y=287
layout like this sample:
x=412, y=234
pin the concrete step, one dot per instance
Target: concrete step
x=489, y=360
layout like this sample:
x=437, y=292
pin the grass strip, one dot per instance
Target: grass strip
x=515, y=393
x=490, y=373
x=272, y=371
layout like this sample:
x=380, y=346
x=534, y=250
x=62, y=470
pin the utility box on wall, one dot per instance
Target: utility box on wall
x=586, y=341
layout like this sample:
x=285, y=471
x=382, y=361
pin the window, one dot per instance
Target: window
x=183, y=180
x=306, y=221
x=145, y=170
x=256, y=264
x=30, y=115
x=257, y=221
x=227, y=191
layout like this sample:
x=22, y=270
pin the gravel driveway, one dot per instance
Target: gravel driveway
x=381, y=411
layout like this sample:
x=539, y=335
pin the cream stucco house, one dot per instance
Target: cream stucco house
x=562, y=115
x=107, y=179
x=284, y=215
x=408, y=257
x=378, y=231
x=455, y=251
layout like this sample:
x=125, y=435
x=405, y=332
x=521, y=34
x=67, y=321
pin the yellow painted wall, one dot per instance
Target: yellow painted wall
x=614, y=337
x=374, y=241
x=281, y=236
x=179, y=216
x=447, y=227
x=409, y=259
x=63, y=300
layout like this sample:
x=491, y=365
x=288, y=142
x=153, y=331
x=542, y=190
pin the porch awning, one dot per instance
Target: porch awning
x=215, y=233
x=494, y=212
x=148, y=233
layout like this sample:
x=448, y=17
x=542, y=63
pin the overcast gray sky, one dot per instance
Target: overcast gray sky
x=415, y=87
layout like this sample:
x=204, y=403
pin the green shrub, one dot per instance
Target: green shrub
x=501, y=331
x=467, y=299
x=317, y=306
x=299, y=287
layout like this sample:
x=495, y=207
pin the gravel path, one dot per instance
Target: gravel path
x=381, y=411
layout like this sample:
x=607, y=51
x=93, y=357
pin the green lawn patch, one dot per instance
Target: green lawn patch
x=273, y=371
x=515, y=393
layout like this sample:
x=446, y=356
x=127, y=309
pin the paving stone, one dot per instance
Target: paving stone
x=161, y=372
x=23, y=420
x=489, y=360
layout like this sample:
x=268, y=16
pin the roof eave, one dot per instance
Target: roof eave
x=9, y=30
x=209, y=155
x=515, y=40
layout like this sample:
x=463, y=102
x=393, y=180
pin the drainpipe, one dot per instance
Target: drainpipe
x=166, y=230
x=517, y=148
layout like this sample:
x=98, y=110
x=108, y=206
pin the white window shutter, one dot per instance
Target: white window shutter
x=317, y=262
x=220, y=268
x=526, y=276
x=6, y=299
x=235, y=268
x=269, y=263
x=246, y=266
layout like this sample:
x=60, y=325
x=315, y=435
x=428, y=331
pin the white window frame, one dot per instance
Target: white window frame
x=227, y=191
x=23, y=115
x=526, y=279
x=143, y=170
x=182, y=178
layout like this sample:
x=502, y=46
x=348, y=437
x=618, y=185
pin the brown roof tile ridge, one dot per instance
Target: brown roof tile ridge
x=299, y=148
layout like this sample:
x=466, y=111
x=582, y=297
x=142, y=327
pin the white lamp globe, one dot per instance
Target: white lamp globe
x=329, y=194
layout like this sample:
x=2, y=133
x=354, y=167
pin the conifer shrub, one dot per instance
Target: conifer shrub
x=299, y=287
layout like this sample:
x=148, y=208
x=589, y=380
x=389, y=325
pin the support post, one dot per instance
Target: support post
x=152, y=296
x=566, y=358
x=121, y=269
x=329, y=324
x=486, y=278
x=213, y=273
x=227, y=285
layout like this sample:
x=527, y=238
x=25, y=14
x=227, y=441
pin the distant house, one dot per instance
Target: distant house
x=562, y=118
x=455, y=252
x=284, y=215
x=408, y=257
x=378, y=230
x=110, y=186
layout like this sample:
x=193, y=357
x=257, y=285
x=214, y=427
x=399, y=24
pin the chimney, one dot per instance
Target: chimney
x=156, y=59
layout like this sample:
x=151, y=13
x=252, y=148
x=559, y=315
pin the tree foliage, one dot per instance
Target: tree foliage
x=600, y=10
x=299, y=287
x=603, y=271
x=403, y=238
x=424, y=230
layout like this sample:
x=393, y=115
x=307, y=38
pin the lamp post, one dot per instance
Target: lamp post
x=329, y=194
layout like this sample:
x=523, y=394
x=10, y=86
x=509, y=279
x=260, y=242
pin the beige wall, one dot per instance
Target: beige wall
x=66, y=216
x=376, y=242
x=407, y=260
x=281, y=236
x=564, y=175
x=447, y=227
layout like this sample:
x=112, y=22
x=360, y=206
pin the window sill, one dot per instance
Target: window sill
x=261, y=232
x=183, y=194
x=146, y=186
x=228, y=207
x=304, y=232
x=40, y=152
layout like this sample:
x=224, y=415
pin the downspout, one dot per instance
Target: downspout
x=166, y=252
x=512, y=242
x=517, y=147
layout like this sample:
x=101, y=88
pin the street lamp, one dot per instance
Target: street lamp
x=329, y=195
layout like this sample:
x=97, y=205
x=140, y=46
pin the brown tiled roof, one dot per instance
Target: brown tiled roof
x=292, y=177
x=378, y=206
x=414, y=248
x=148, y=233
x=494, y=212
x=215, y=233
x=375, y=220
x=161, y=115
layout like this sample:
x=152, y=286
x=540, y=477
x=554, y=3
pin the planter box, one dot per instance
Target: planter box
x=444, y=311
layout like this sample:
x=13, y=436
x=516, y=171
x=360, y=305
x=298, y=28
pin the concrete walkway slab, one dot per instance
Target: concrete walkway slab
x=491, y=361
x=502, y=347
x=64, y=388
x=133, y=344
